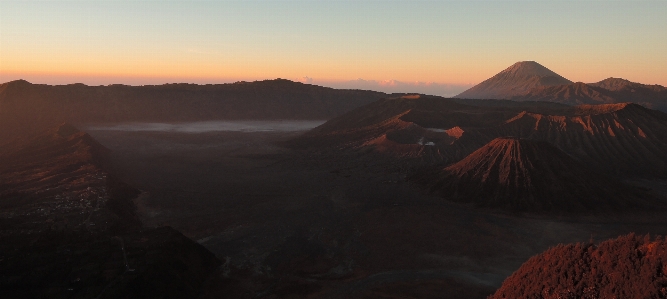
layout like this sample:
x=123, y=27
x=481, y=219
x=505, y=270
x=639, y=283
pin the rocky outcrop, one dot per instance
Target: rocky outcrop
x=627, y=267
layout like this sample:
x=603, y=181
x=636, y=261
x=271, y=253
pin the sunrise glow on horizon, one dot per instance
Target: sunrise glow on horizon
x=448, y=44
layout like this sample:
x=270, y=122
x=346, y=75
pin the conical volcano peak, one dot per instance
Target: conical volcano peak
x=505, y=154
x=507, y=139
x=515, y=80
x=519, y=174
x=507, y=143
x=528, y=68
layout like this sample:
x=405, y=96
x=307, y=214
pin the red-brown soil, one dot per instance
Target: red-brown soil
x=627, y=267
x=424, y=128
x=335, y=219
x=625, y=140
x=526, y=175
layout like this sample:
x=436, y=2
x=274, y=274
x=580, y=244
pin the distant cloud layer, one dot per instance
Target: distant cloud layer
x=394, y=86
x=307, y=80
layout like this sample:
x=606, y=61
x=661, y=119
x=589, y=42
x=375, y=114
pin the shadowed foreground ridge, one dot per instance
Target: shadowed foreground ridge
x=529, y=175
x=627, y=267
x=68, y=227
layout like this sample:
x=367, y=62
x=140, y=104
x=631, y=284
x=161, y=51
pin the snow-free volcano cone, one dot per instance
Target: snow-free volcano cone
x=528, y=175
x=514, y=80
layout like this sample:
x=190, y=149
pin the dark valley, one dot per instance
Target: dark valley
x=120, y=191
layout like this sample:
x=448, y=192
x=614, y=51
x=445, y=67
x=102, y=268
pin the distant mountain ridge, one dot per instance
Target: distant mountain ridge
x=612, y=90
x=530, y=81
x=617, y=84
x=515, y=80
x=24, y=105
x=622, y=139
x=516, y=156
x=530, y=175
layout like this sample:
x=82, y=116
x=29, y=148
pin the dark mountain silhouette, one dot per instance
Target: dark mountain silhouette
x=528, y=175
x=68, y=226
x=34, y=106
x=627, y=267
x=515, y=80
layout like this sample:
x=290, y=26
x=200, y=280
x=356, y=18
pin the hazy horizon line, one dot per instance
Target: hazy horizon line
x=387, y=85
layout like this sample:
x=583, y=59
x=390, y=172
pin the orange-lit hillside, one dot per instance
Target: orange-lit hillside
x=627, y=267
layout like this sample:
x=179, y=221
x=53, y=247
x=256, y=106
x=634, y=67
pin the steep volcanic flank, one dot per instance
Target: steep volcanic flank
x=621, y=139
x=526, y=175
x=69, y=227
x=624, y=140
x=515, y=80
x=59, y=164
x=571, y=94
x=424, y=127
x=626, y=267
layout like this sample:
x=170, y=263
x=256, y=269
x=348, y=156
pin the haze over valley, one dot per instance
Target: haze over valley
x=416, y=195
x=333, y=149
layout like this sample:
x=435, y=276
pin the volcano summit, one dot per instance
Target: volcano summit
x=529, y=175
x=514, y=80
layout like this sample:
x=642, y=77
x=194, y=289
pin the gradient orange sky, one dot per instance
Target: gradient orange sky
x=449, y=44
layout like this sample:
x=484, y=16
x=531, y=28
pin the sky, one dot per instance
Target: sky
x=433, y=47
